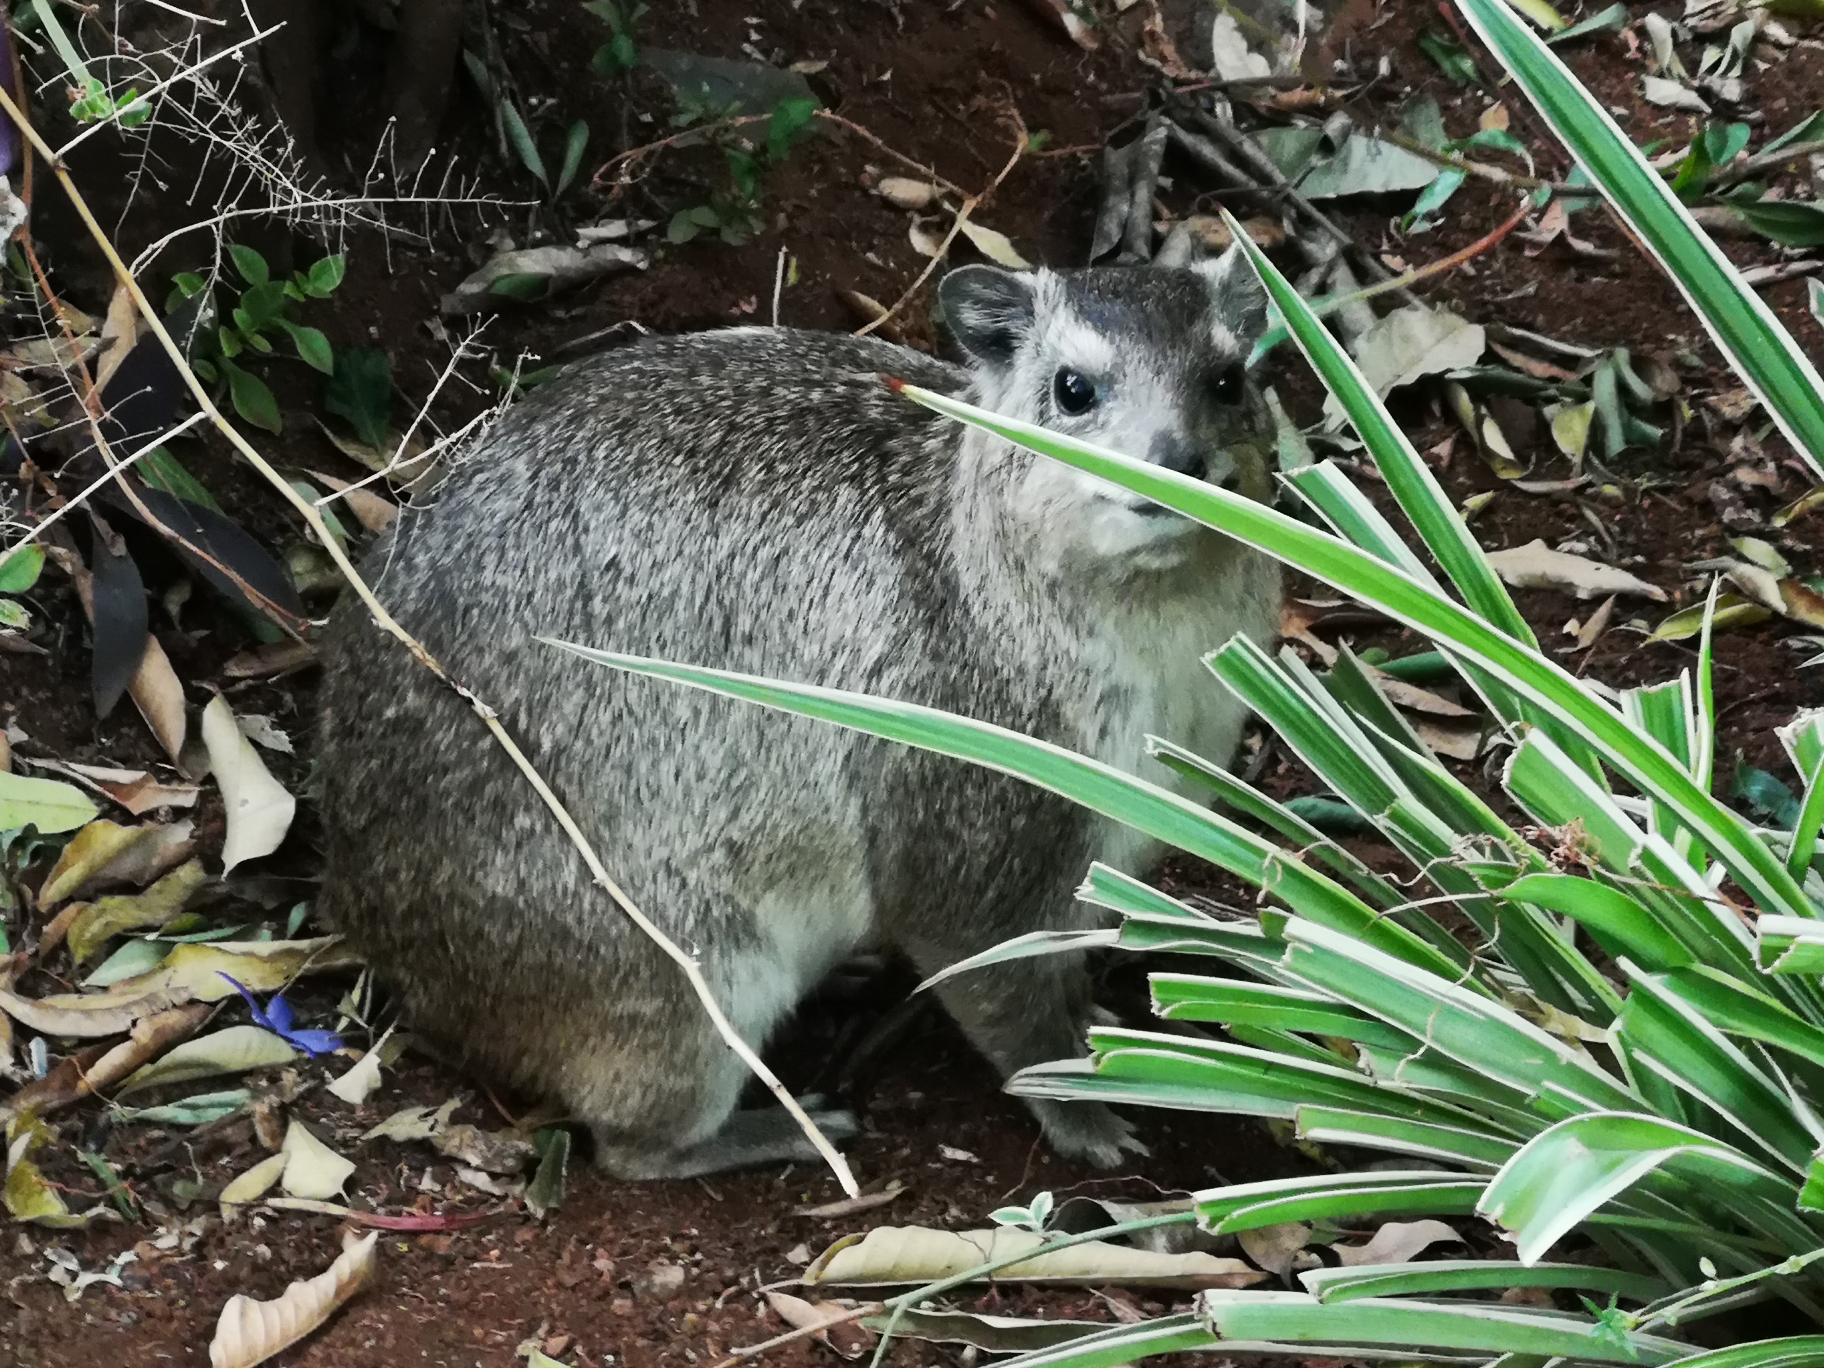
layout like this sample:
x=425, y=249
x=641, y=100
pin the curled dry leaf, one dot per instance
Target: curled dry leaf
x=371, y=511
x=104, y=852
x=251, y=1332
x=414, y=1123
x=915, y=1254
x=312, y=1168
x=492, y=1151
x=1537, y=566
x=259, y=809
x=159, y=696
x=905, y=193
x=996, y=246
x=829, y=1322
x=1397, y=1242
x=254, y=1184
x=354, y=1086
x=925, y=242
x=98, y=921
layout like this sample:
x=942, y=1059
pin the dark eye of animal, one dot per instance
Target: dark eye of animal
x=1074, y=391
x=1228, y=386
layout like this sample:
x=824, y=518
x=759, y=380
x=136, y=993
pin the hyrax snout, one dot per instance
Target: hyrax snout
x=757, y=500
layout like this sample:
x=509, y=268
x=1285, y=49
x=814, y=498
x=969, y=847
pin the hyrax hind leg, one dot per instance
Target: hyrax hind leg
x=664, y=1105
x=1033, y=1011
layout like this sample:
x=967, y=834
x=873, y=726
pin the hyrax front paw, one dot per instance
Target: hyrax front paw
x=1087, y=1131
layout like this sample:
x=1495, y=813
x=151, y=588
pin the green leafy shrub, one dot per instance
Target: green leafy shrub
x=258, y=315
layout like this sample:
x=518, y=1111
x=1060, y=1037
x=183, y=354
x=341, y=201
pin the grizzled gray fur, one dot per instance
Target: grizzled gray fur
x=757, y=500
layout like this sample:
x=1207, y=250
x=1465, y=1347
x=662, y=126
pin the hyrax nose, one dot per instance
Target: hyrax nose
x=1177, y=452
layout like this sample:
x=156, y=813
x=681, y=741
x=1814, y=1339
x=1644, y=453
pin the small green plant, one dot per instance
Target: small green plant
x=256, y=318
x=360, y=389
x=620, y=54
x=18, y=573
x=734, y=215
x=90, y=101
x=576, y=143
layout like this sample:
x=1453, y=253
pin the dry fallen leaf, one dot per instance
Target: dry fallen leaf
x=925, y=242
x=354, y=1086
x=1274, y=1247
x=371, y=511
x=906, y=193
x=92, y=927
x=1454, y=743
x=915, y=1254
x=996, y=246
x=492, y=1151
x=1537, y=566
x=259, y=810
x=255, y=1183
x=159, y=696
x=105, y=852
x=830, y=1322
x=312, y=1168
x=251, y=1332
x=1397, y=1242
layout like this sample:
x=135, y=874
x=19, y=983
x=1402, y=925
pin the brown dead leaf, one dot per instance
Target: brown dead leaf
x=1731, y=405
x=1274, y=1247
x=1537, y=566
x=371, y=511
x=105, y=852
x=1495, y=116
x=1530, y=365
x=1454, y=743
x=118, y=333
x=1397, y=1242
x=1404, y=695
x=1588, y=634
x=491, y=1151
x=251, y=1332
x=270, y=660
x=835, y=1323
x=848, y=1206
x=902, y=192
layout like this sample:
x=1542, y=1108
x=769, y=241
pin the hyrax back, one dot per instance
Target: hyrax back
x=757, y=500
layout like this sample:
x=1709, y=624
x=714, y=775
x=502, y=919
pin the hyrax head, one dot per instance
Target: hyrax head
x=1149, y=362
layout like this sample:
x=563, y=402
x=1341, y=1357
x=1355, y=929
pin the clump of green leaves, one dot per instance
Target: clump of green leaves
x=90, y=101
x=620, y=54
x=360, y=389
x=257, y=318
x=576, y=142
x=734, y=215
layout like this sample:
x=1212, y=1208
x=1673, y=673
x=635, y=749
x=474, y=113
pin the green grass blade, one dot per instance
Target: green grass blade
x=1196, y=997
x=1557, y=693
x=1566, y=1173
x=1409, y=479
x=1419, y=1139
x=1473, y=1275
x=1792, y=1351
x=1484, y=1326
x=1749, y=334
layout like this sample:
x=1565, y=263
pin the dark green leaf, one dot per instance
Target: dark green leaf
x=160, y=469
x=1765, y=795
x=1329, y=815
x=249, y=263
x=1791, y=223
x=252, y=400
x=1452, y=57
x=574, y=147
x=20, y=571
x=326, y=274
x=682, y=227
x=360, y=389
x=520, y=285
x=313, y=347
x=521, y=138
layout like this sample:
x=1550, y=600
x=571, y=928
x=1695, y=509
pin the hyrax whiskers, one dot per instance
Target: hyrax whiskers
x=757, y=500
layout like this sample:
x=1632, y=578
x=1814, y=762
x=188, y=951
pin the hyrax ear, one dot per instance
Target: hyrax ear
x=1238, y=300
x=988, y=311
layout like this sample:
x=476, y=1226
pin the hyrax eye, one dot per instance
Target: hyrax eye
x=1074, y=391
x=1229, y=385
